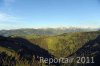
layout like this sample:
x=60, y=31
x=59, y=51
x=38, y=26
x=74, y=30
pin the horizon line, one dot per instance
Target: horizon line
x=57, y=27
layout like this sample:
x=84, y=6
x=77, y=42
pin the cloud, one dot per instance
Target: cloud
x=6, y=5
x=10, y=19
x=6, y=17
x=8, y=2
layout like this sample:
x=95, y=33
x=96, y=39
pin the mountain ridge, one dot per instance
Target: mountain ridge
x=41, y=31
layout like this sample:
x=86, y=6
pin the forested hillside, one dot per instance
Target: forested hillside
x=25, y=51
x=65, y=44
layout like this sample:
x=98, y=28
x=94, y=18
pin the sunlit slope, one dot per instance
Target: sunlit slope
x=65, y=44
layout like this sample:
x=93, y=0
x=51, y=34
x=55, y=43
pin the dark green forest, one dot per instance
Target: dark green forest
x=24, y=48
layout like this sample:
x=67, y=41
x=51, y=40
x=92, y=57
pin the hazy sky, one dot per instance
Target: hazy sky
x=49, y=13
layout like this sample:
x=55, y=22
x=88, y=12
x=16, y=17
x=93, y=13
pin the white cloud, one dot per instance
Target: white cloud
x=6, y=17
x=10, y=19
x=8, y=2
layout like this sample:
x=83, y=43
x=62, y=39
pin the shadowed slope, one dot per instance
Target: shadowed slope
x=90, y=49
x=24, y=48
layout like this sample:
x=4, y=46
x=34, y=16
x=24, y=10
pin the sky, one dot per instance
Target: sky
x=15, y=14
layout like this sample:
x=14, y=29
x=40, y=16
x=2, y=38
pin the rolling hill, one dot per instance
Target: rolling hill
x=20, y=51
